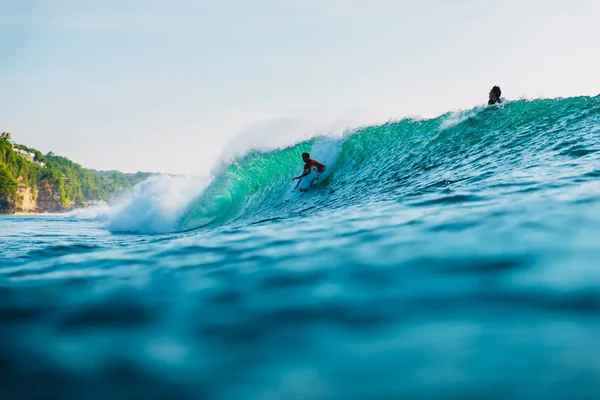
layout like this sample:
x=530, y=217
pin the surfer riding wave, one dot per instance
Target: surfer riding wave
x=312, y=170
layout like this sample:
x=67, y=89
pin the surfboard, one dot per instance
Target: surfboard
x=292, y=195
x=304, y=186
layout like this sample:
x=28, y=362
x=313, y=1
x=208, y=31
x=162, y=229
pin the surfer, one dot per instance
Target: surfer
x=495, y=94
x=309, y=167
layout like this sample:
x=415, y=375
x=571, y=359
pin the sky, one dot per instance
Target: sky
x=172, y=86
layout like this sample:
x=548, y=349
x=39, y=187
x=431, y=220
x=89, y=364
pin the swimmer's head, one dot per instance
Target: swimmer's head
x=495, y=94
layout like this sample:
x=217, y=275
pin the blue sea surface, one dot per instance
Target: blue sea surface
x=450, y=258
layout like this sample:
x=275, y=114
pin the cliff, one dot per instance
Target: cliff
x=32, y=182
x=24, y=200
x=48, y=198
x=43, y=198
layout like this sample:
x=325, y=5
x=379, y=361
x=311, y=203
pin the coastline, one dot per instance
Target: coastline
x=66, y=211
x=36, y=213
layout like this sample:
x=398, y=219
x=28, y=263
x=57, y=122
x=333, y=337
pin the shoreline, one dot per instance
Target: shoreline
x=34, y=213
x=50, y=213
x=39, y=213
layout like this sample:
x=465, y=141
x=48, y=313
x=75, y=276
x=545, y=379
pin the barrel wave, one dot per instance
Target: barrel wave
x=405, y=161
x=446, y=258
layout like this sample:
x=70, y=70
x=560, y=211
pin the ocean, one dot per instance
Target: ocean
x=448, y=258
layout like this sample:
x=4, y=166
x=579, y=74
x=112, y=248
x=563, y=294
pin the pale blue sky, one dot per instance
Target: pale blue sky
x=165, y=86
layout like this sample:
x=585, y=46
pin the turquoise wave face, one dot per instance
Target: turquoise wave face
x=403, y=158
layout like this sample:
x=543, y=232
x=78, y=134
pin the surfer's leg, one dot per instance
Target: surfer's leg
x=315, y=179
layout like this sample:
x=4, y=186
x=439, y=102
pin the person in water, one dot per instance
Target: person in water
x=309, y=165
x=495, y=94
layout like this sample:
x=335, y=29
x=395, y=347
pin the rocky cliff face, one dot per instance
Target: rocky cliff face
x=48, y=200
x=6, y=205
x=25, y=201
x=44, y=198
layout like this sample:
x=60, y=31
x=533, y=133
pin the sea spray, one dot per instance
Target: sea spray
x=153, y=206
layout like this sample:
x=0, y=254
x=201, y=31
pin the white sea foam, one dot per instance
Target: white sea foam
x=152, y=206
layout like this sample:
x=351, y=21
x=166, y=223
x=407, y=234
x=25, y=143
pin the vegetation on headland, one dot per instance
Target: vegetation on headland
x=75, y=184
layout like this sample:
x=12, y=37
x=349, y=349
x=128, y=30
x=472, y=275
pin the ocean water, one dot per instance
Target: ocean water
x=456, y=257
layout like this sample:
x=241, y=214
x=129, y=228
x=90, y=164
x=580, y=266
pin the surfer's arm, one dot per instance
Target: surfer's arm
x=303, y=175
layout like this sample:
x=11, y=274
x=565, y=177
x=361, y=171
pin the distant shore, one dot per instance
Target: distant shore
x=51, y=213
x=37, y=213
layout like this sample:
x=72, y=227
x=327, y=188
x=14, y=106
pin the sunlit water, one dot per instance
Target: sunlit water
x=454, y=258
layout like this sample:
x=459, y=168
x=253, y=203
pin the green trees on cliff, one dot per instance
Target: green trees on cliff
x=18, y=166
x=74, y=183
x=8, y=184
